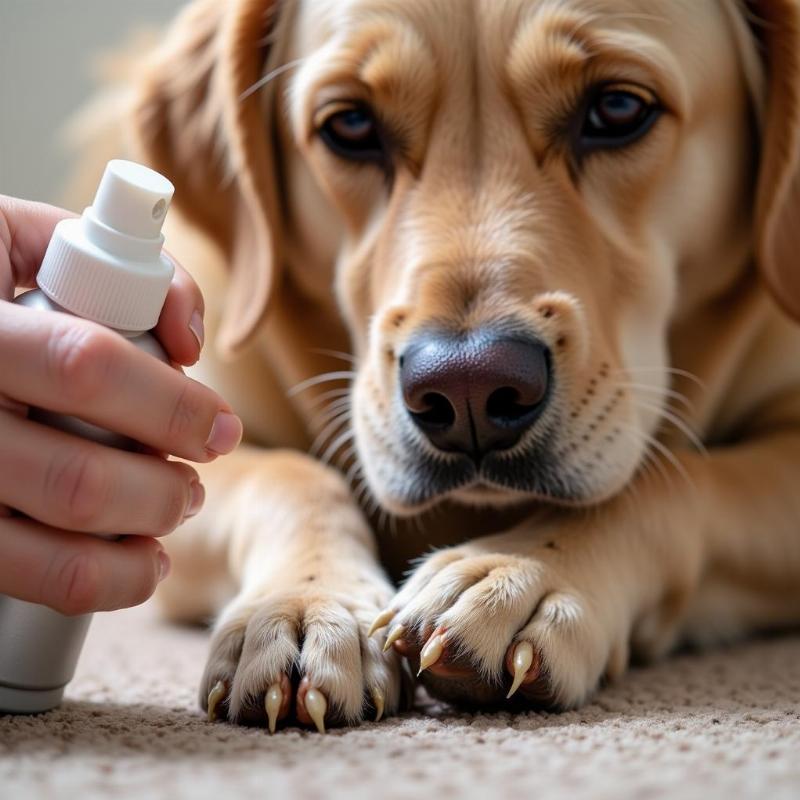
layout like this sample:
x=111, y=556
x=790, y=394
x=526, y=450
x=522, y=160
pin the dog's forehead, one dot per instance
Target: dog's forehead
x=520, y=43
x=454, y=23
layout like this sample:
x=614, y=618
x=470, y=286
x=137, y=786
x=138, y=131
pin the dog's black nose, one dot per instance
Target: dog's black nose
x=475, y=393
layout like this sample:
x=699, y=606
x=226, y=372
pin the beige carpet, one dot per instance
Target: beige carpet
x=721, y=725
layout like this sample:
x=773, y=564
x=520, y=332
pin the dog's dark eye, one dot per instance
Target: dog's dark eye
x=617, y=115
x=353, y=133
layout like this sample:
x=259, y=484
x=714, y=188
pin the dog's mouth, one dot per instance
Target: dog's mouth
x=500, y=478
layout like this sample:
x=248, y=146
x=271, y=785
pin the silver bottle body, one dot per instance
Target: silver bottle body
x=39, y=647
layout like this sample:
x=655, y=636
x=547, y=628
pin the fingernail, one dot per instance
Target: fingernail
x=164, y=565
x=197, y=494
x=197, y=328
x=226, y=433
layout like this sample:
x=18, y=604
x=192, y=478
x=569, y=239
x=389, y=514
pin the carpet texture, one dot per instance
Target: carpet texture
x=725, y=724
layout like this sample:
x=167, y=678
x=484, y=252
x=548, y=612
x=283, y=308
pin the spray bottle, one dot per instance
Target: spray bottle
x=106, y=266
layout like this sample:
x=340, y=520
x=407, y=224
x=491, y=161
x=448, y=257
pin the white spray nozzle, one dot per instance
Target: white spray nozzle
x=107, y=266
x=132, y=199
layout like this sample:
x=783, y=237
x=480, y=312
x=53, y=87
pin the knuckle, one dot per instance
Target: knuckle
x=77, y=487
x=81, y=359
x=78, y=585
x=186, y=409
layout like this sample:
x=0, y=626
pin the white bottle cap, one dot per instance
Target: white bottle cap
x=107, y=266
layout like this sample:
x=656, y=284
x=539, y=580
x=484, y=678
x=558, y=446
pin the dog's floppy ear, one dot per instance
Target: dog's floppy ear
x=196, y=120
x=776, y=25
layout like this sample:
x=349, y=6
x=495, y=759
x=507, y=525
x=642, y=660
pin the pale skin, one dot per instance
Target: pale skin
x=55, y=488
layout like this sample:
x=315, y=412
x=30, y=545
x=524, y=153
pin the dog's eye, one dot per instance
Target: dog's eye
x=352, y=133
x=617, y=115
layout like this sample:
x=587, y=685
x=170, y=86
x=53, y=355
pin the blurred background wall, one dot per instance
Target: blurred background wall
x=47, y=48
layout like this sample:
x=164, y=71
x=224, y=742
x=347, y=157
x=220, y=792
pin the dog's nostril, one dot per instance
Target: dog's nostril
x=436, y=413
x=504, y=406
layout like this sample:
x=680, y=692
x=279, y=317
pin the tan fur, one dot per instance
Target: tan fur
x=640, y=272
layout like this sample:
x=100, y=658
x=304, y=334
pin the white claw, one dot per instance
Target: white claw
x=214, y=696
x=523, y=658
x=381, y=621
x=272, y=704
x=394, y=634
x=316, y=705
x=379, y=701
x=431, y=653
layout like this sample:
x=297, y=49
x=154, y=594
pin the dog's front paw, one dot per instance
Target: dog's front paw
x=481, y=627
x=303, y=655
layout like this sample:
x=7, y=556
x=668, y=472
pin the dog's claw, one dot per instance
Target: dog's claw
x=316, y=705
x=272, y=704
x=431, y=653
x=214, y=696
x=394, y=634
x=381, y=621
x=523, y=658
x=379, y=701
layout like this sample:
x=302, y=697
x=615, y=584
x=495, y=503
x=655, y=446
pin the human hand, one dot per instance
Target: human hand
x=66, y=486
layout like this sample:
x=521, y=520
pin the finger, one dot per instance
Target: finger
x=72, y=366
x=77, y=485
x=25, y=231
x=180, y=326
x=74, y=573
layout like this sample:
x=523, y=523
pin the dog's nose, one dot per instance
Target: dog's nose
x=475, y=393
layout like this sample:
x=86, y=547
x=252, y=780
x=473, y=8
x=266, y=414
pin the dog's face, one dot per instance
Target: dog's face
x=514, y=199
x=524, y=188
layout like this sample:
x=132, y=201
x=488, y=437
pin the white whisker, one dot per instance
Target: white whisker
x=265, y=79
x=671, y=393
x=339, y=442
x=632, y=371
x=331, y=411
x=325, y=377
x=330, y=394
x=679, y=423
x=332, y=427
x=653, y=443
x=342, y=356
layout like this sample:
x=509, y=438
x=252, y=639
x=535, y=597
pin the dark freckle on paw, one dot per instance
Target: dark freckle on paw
x=584, y=401
x=590, y=392
x=601, y=417
x=551, y=545
x=573, y=415
x=592, y=427
x=620, y=392
x=561, y=341
x=310, y=578
x=585, y=437
x=593, y=382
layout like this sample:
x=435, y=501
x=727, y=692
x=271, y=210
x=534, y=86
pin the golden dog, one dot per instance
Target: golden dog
x=541, y=236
